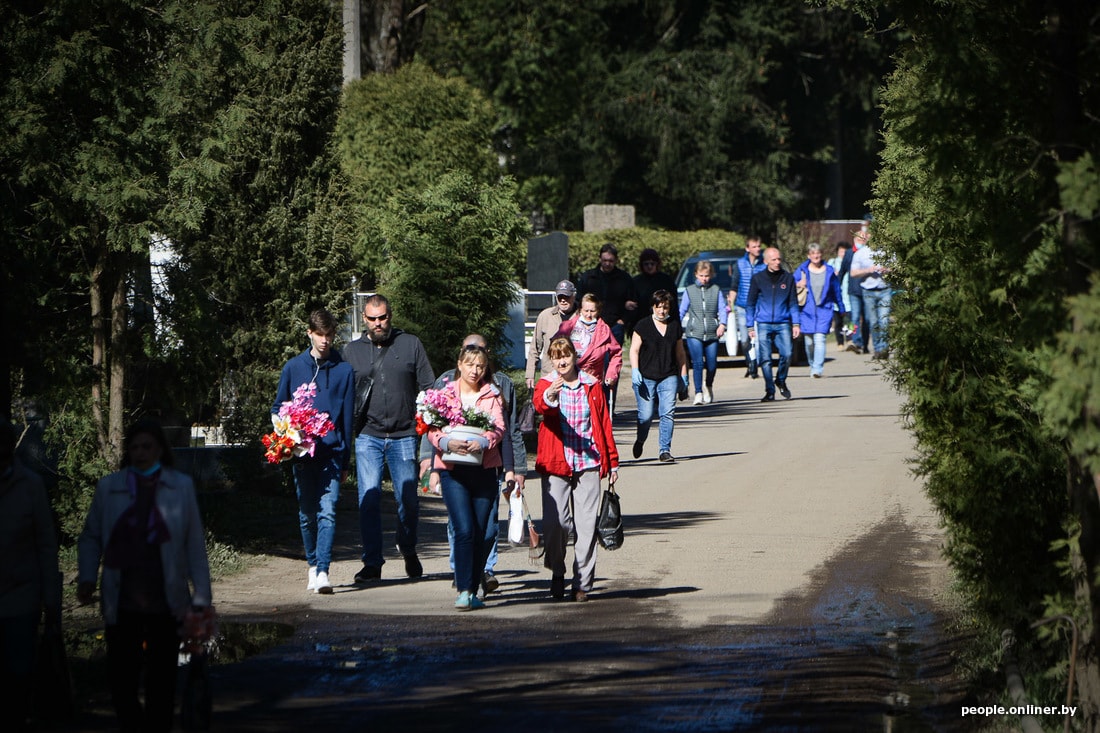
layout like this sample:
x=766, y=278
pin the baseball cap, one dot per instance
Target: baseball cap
x=565, y=288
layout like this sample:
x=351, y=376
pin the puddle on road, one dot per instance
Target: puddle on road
x=851, y=652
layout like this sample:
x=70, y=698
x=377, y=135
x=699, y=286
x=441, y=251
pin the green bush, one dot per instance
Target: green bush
x=674, y=247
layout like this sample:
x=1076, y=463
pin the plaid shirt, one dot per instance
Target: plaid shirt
x=576, y=426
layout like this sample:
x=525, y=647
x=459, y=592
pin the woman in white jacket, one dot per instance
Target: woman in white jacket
x=144, y=525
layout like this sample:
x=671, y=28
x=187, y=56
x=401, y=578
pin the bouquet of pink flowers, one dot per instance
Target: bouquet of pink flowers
x=442, y=407
x=298, y=427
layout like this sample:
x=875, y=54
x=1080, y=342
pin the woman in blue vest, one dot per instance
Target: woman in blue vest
x=704, y=312
x=822, y=287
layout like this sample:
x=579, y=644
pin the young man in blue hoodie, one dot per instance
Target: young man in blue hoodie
x=317, y=478
x=773, y=312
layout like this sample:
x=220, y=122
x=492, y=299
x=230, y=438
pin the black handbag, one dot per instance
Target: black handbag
x=196, y=702
x=525, y=421
x=609, y=528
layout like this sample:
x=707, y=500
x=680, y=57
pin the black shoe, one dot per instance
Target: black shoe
x=783, y=390
x=557, y=587
x=768, y=398
x=489, y=583
x=368, y=574
x=666, y=457
x=638, y=448
x=413, y=568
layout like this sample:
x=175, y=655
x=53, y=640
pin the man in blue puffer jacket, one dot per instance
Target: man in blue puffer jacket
x=317, y=478
x=773, y=312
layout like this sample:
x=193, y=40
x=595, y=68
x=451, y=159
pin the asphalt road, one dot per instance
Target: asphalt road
x=783, y=574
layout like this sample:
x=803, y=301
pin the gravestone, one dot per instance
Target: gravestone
x=598, y=217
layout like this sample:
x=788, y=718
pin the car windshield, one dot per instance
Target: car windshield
x=723, y=270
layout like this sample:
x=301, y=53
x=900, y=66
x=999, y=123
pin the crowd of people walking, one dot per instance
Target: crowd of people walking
x=143, y=545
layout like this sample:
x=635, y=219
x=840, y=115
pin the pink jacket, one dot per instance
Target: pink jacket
x=603, y=345
x=489, y=402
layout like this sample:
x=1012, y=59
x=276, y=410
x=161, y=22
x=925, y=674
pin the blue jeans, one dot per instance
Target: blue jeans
x=815, y=350
x=877, y=305
x=469, y=493
x=779, y=335
x=492, y=532
x=663, y=393
x=857, y=337
x=700, y=350
x=400, y=456
x=743, y=331
x=317, y=482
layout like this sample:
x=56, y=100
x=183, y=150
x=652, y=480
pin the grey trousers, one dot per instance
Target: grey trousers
x=571, y=504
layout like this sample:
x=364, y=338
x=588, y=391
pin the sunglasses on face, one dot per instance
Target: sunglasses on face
x=376, y=319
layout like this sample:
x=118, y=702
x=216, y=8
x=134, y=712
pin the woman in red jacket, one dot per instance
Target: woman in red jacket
x=576, y=450
x=598, y=352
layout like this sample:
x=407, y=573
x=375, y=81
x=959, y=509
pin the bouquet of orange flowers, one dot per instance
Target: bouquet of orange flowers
x=298, y=427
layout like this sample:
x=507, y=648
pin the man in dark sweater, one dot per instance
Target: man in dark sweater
x=391, y=368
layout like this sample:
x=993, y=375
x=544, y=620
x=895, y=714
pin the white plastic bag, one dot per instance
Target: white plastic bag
x=515, y=518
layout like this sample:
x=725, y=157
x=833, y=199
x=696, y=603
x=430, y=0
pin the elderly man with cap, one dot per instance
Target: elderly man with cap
x=546, y=325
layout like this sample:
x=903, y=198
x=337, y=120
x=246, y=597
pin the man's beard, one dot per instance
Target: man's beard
x=377, y=337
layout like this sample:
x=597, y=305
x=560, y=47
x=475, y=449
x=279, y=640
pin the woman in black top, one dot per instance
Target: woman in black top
x=658, y=372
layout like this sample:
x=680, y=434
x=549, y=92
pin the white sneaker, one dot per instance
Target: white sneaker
x=323, y=584
x=698, y=399
x=706, y=396
x=312, y=585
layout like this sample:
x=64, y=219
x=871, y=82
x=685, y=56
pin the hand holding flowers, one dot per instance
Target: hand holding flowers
x=298, y=427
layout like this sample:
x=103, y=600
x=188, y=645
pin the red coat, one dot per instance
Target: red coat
x=550, y=458
x=603, y=348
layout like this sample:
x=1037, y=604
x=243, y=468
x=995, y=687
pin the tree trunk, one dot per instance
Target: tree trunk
x=100, y=327
x=117, y=398
x=390, y=32
x=107, y=293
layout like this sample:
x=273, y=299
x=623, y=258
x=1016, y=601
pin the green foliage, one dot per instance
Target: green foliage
x=71, y=436
x=453, y=252
x=1071, y=404
x=689, y=111
x=402, y=132
x=967, y=208
x=674, y=247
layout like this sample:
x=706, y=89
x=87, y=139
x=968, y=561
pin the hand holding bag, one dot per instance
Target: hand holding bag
x=609, y=527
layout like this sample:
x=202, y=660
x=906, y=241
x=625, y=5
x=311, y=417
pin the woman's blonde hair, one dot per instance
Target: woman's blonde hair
x=560, y=347
x=704, y=266
x=469, y=354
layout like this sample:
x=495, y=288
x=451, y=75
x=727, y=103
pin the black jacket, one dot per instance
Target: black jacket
x=390, y=410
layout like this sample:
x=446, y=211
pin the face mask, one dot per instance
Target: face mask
x=588, y=323
x=663, y=318
x=147, y=472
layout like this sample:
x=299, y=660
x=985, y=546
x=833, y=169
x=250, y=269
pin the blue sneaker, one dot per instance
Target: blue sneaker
x=462, y=603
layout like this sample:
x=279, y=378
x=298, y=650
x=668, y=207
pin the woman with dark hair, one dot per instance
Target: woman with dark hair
x=650, y=279
x=659, y=373
x=576, y=450
x=144, y=525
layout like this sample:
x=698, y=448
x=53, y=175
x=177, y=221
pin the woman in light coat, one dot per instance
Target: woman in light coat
x=144, y=525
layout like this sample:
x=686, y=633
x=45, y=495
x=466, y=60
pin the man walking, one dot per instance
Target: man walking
x=317, y=477
x=772, y=312
x=391, y=368
x=614, y=288
x=546, y=325
x=747, y=266
x=876, y=294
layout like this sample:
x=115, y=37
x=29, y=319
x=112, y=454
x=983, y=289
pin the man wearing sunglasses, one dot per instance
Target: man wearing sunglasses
x=391, y=368
x=546, y=325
